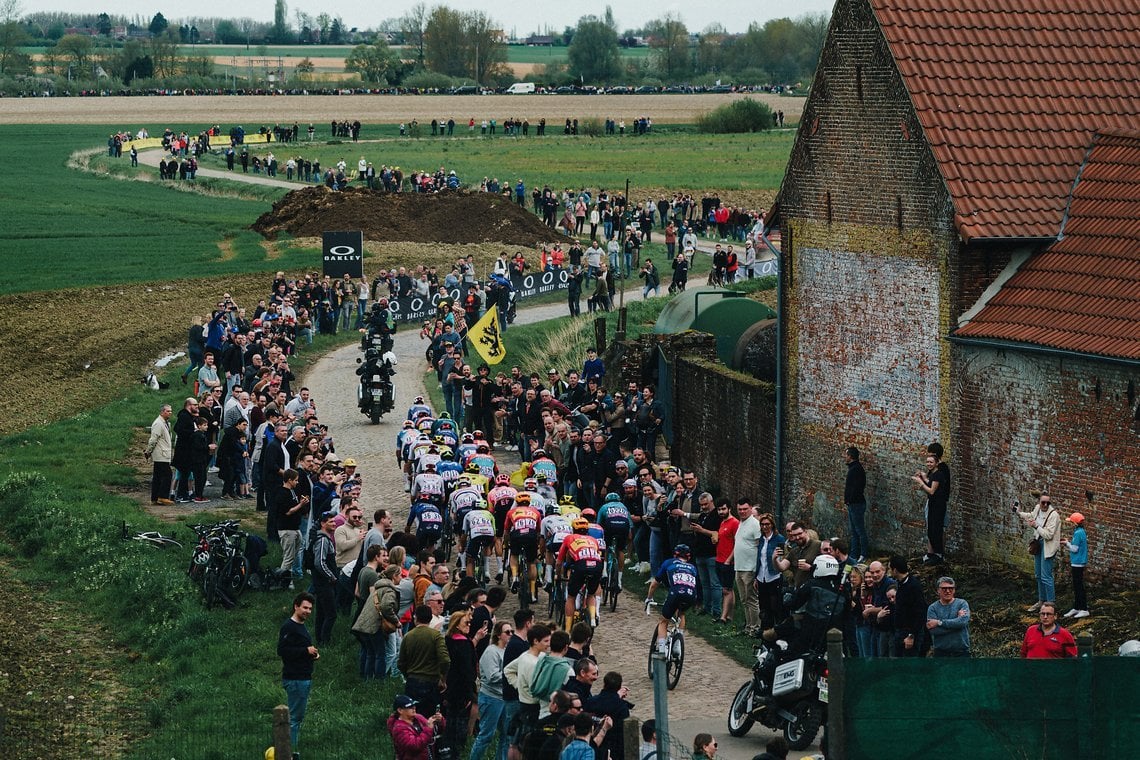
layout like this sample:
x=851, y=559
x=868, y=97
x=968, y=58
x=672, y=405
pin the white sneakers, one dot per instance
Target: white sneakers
x=1076, y=614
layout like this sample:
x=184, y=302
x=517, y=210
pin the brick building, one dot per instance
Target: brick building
x=936, y=163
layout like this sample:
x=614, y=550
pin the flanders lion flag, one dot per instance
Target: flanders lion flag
x=486, y=338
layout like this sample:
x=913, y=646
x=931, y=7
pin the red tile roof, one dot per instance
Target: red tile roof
x=1009, y=93
x=1083, y=292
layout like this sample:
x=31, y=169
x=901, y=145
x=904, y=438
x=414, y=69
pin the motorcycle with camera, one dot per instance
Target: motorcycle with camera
x=794, y=702
x=375, y=394
x=788, y=688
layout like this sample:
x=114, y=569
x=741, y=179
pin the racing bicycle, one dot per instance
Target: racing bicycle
x=674, y=649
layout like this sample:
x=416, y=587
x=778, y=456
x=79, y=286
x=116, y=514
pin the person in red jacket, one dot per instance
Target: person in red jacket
x=1047, y=639
x=412, y=733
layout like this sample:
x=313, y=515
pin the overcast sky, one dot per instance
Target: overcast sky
x=515, y=16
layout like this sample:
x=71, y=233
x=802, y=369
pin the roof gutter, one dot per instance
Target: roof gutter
x=1033, y=348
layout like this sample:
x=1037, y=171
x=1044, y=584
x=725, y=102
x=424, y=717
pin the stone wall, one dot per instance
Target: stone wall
x=725, y=430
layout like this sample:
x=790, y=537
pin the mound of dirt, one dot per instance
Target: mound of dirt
x=449, y=217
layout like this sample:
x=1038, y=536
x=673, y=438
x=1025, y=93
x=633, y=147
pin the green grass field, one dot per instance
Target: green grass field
x=65, y=228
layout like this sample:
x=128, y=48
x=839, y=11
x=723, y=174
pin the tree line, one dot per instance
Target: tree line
x=435, y=46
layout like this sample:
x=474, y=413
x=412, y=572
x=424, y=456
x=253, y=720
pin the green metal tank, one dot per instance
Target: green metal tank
x=724, y=314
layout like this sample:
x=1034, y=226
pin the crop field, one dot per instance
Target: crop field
x=131, y=113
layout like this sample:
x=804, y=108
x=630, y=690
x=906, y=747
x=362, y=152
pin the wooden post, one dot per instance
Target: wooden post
x=282, y=741
x=836, y=682
x=620, y=334
x=631, y=737
x=600, y=334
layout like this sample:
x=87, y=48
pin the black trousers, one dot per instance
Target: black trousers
x=161, y=478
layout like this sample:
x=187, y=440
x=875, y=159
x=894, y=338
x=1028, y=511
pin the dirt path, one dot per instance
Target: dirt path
x=709, y=677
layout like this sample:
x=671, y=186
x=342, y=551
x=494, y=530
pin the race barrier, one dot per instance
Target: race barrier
x=417, y=308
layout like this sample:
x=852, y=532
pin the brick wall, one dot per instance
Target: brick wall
x=725, y=429
x=871, y=289
x=1032, y=421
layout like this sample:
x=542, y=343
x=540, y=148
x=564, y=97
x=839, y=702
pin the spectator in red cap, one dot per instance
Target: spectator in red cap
x=1079, y=557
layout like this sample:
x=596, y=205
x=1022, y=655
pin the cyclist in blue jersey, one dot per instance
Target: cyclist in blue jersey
x=679, y=575
x=428, y=522
x=418, y=407
x=616, y=526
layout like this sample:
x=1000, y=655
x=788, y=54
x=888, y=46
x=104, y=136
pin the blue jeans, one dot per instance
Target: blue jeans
x=657, y=541
x=361, y=308
x=392, y=653
x=1043, y=571
x=372, y=660
x=710, y=584
x=453, y=400
x=490, y=721
x=346, y=311
x=510, y=710
x=297, y=697
x=856, y=514
x=863, y=638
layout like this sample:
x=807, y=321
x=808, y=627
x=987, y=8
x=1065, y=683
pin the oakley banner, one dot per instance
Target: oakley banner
x=344, y=254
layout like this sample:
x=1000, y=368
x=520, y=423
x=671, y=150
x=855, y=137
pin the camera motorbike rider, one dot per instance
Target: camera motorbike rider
x=816, y=606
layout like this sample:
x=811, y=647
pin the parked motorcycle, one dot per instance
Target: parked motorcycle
x=795, y=702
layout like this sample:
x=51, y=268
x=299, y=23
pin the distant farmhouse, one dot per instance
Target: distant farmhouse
x=961, y=230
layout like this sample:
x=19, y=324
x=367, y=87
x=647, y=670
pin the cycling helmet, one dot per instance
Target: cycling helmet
x=467, y=438
x=825, y=566
x=580, y=525
x=522, y=499
x=423, y=413
x=473, y=468
x=682, y=551
x=437, y=438
x=503, y=480
x=538, y=453
x=481, y=504
x=483, y=448
x=419, y=400
x=478, y=434
x=409, y=423
x=566, y=501
x=463, y=480
x=444, y=416
x=613, y=497
x=587, y=512
x=429, y=465
x=530, y=483
x=1130, y=648
x=382, y=303
x=551, y=509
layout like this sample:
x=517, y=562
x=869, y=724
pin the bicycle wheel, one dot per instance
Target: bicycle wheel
x=613, y=591
x=210, y=580
x=676, y=660
x=236, y=574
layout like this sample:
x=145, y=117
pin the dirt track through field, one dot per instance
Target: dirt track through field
x=252, y=111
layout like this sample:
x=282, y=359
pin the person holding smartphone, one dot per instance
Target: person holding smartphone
x=290, y=508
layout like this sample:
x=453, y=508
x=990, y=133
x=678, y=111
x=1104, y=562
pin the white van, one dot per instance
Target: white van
x=521, y=88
